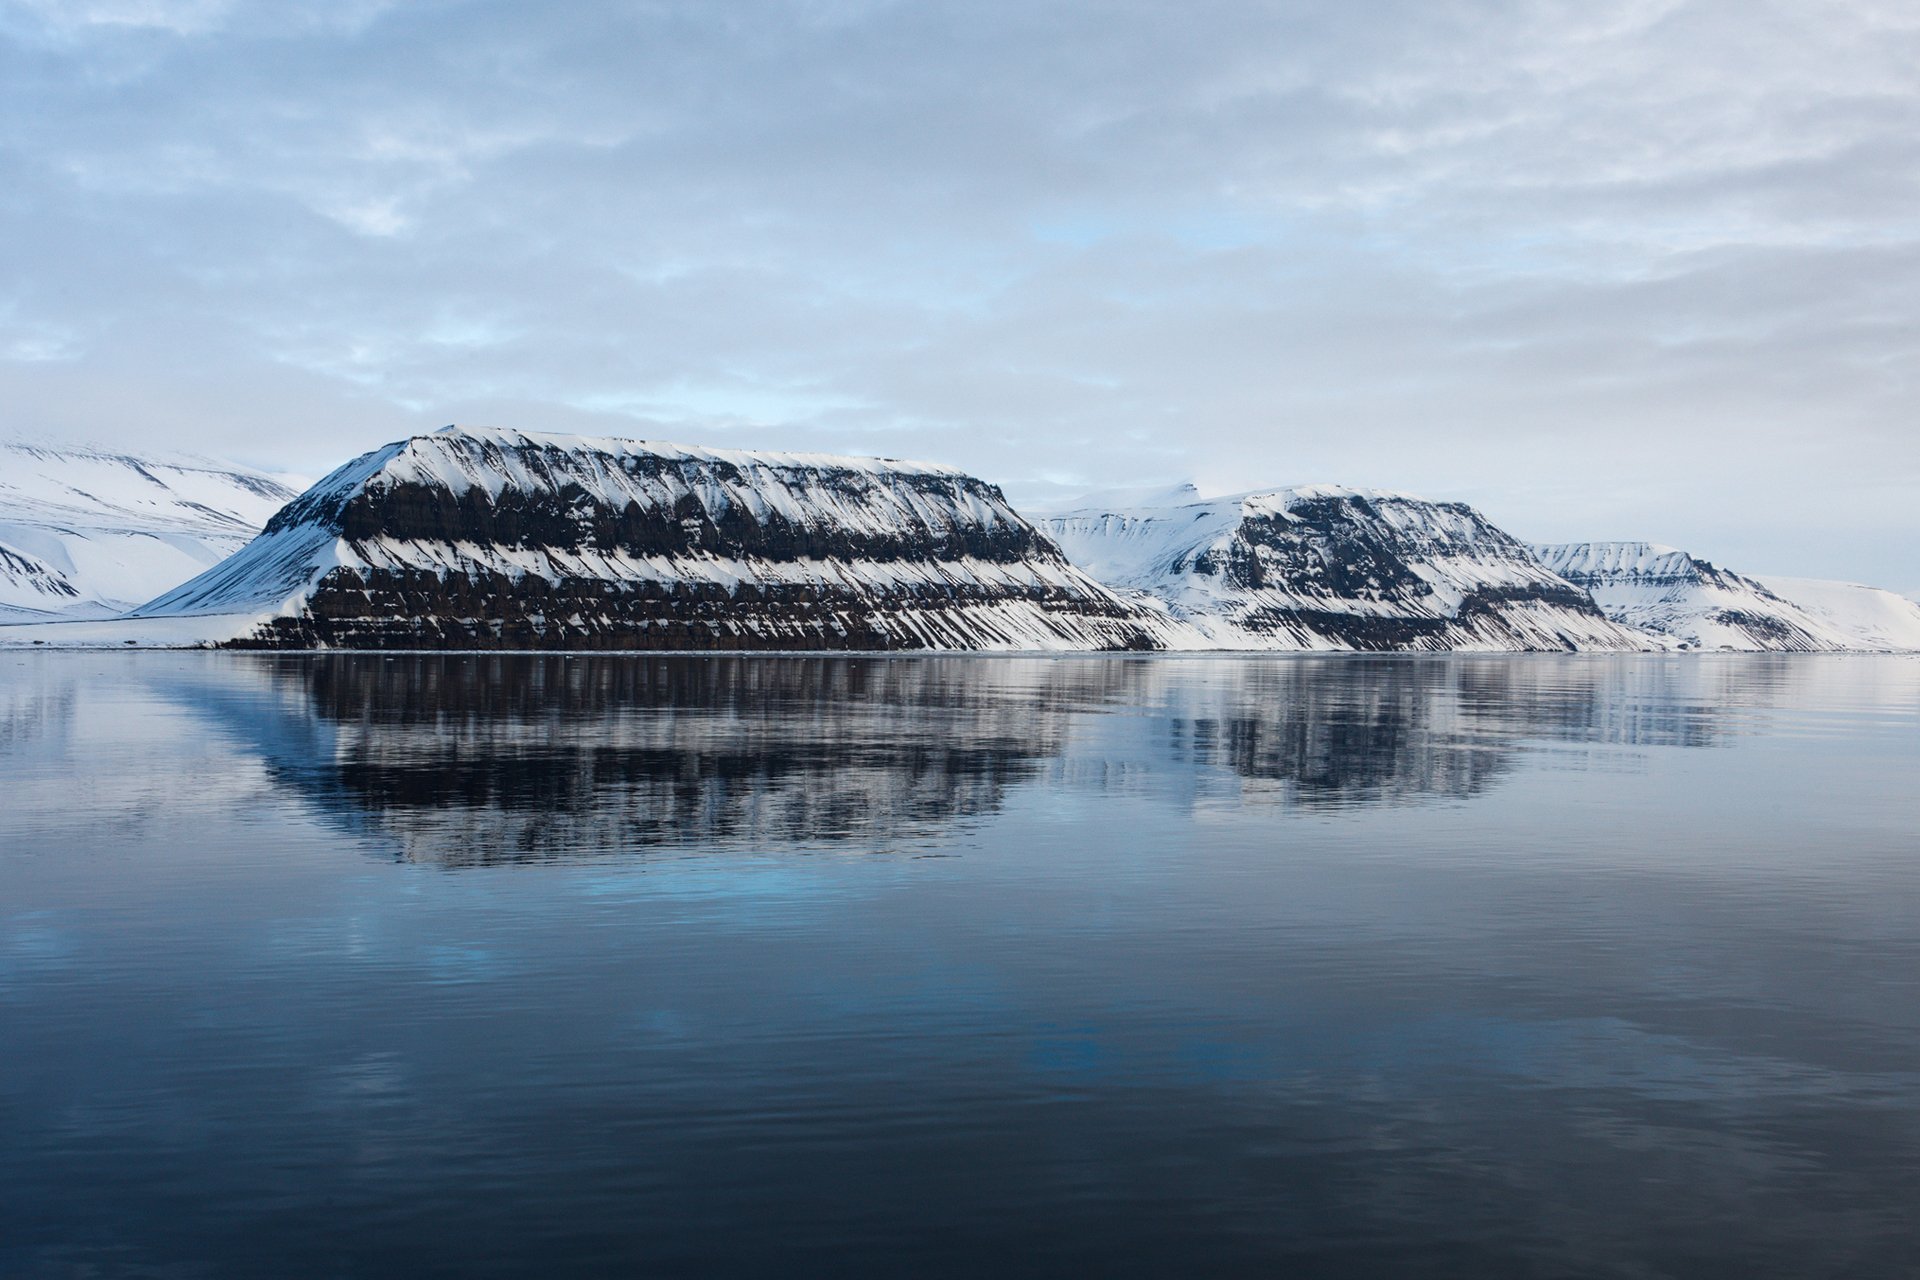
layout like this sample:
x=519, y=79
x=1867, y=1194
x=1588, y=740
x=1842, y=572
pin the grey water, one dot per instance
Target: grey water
x=356, y=966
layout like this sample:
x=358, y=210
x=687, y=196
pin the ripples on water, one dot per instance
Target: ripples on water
x=519, y=965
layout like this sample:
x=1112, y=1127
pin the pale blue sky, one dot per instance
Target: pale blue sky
x=1636, y=269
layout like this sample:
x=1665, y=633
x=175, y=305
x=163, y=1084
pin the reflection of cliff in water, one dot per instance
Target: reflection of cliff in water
x=1331, y=732
x=512, y=758
x=477, y=759
x=1343, y=734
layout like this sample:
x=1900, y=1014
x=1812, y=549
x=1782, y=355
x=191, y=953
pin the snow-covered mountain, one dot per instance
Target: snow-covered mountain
x=87, y=533
x=477, y=538
x=471, y=538
x=1325, y=567
x=1695, y=603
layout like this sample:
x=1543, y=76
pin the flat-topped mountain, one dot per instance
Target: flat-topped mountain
x=1326, y=567
x=1695, y=603
x=505, y=539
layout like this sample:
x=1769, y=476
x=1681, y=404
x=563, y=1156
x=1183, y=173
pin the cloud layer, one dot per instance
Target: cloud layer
x=1643, y=269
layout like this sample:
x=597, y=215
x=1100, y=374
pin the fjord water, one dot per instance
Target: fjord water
x=465, y=965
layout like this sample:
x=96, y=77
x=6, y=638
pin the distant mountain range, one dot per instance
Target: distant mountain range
x=491, y=539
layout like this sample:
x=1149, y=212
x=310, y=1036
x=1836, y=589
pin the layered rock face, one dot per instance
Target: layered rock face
x=1695, y=604
x=501, y=539
x=1324, y=567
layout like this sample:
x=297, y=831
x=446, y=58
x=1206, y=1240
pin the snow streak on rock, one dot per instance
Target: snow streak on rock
x=1325, y=567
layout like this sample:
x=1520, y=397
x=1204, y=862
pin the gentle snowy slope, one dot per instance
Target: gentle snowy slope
x=487, y=538
x=1868, y=617
x=1695, y=603
x=88, y=533
x=1327, y=567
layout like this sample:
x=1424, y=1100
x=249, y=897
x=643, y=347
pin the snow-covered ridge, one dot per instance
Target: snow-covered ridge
x=134, y=491
x=491, y=538
x=868, y=497
x=1696, y=604
x=1622, y=561
x=90, y=532
x=502, y=441
x=1330, y=567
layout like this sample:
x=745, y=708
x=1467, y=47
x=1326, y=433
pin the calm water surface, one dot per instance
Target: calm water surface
x=415, y=966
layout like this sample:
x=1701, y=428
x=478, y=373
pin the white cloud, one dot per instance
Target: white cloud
x=70, y=17
x=1553, y=256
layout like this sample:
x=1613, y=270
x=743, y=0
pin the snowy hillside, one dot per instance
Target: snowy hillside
x=1869, y=617
x=1695, y=603
x=485, y=538
x=1324, y=567
x=87, y=533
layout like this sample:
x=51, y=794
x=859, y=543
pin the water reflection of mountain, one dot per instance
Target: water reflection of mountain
x=482, y=759
x=1342, y=734
x=1335, y=732
x=29, y=710
x=477, y=760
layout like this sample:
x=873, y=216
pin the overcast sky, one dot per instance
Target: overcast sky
x=1636, y=269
